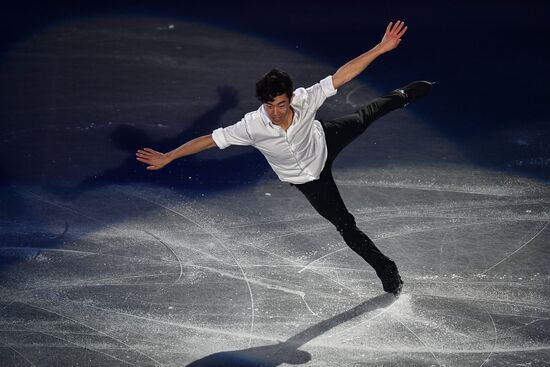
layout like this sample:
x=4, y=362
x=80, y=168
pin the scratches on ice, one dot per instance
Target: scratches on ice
x=516, y=250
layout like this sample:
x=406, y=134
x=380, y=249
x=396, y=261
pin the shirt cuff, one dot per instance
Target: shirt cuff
x=219, y=138
x=328, y=87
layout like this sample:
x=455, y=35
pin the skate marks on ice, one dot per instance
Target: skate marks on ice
x=144, y=276
x=64, y=285
x=515, y=251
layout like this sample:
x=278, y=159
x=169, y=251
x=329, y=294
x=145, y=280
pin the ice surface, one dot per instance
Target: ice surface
x=133, y=271
x=151, y=276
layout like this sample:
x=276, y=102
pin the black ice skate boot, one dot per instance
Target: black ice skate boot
x=391, y=281
x=415, y=90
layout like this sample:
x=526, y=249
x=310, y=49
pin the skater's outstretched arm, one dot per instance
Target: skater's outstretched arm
x=157, y=160
x=390, y=40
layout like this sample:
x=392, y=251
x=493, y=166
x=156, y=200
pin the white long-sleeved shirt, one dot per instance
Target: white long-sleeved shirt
x=298, y=154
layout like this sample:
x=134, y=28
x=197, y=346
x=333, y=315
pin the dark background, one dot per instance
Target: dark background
x=488, y=58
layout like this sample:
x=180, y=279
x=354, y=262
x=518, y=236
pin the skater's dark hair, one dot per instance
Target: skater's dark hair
x=272, y=84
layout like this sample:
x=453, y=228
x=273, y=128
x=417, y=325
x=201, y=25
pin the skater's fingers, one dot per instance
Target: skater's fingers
x=400, y=34
x=144, y=160
x=395, y=26
x=388, y=28
x=150, y=153
x=398, y=28
x=143, y=155
x=143, y=152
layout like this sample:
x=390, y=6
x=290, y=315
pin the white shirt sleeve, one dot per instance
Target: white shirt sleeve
x=318, y=93
x=236, y=134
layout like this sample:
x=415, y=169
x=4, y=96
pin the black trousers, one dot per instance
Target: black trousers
x=323, y=193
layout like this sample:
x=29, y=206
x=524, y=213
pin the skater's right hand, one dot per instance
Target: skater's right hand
x=155, y=160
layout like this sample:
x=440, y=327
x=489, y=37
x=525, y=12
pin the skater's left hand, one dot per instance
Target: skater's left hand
x=393, y=35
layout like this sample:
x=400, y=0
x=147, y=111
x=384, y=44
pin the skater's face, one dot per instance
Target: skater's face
x=278, y=110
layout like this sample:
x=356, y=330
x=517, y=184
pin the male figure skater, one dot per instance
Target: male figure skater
x=301, y=150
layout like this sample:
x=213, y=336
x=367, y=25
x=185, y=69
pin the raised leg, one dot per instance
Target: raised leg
x=343, y=130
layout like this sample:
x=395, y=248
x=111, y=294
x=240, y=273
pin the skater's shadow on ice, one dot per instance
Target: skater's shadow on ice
x=288, y=352
x=190, y=173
